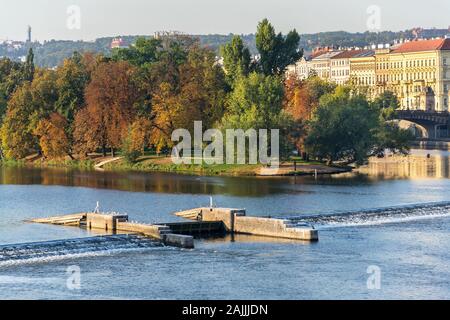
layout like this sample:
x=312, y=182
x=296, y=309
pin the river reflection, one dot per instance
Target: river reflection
x=420, y=164
x=138, y=182
x=417, y=165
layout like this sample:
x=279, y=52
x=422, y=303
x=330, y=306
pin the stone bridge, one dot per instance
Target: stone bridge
x=428, y=124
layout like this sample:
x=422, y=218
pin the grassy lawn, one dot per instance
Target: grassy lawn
x=165, y=164
x=155, y=163
x=299, y=161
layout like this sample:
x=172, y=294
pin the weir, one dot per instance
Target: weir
x=204, y=222
x=236, y=221
x=118, y=223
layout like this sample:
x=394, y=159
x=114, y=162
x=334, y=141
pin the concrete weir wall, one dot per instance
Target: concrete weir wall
x=236, y=221
x=178, y=240
x=148, y=230
x=104, y=221
x=120, y=223
x=273, y=228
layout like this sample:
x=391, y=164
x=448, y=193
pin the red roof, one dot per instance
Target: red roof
x=423, y=45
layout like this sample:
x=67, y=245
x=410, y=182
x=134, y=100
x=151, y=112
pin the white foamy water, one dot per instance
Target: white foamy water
x=376, y=216
x=50, y=251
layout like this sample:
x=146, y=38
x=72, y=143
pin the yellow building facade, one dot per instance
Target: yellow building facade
x=362, y=70
x=418, y=72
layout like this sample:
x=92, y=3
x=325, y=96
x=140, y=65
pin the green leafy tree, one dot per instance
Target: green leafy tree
x=144, y=51
x=257, y=103
x=72, y=79
x=236, y=59
x=276, y=51
x=346, y=127
x=387, y=103
x=10, y=78
x=28, y=67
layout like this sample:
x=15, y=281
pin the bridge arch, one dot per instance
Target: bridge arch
x=427, y=124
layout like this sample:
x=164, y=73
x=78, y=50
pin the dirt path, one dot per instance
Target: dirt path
x=99, y=166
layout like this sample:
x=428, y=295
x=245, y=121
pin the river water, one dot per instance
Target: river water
x=392, y=217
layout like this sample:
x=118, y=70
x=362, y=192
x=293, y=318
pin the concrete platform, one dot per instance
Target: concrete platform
x=236, y=221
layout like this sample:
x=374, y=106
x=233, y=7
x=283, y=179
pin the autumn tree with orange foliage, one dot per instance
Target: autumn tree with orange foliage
x=300, y=101
x=111, y=98
x=137, y=139
x=198, y=95
x=52, y=135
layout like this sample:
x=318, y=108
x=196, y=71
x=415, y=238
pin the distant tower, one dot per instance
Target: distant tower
x=29, y=34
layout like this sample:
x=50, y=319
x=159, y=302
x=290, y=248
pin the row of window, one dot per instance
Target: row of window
x=340, y=73
x=337, y=63
x=365, y=81
x=409, y=64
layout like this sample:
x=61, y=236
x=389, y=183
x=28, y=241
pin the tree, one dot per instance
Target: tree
x=144, y=51
x=17, y=136
x=10, y=79
x=53, y=139
x=72, y=79
x=256, y=102
x=236, y=59
x=28, y=66
x=157, y=62
x=136, y=140
x=301, y=99
x=302, y=96
x=110, y=97
x=85, y=135
x=387, y=103
x=199, y=94
x=276, y=51
x=346, y=127
x=30, y=103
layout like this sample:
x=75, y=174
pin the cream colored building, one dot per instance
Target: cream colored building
x=340, y=66
x=321, y=65
x=301, y=69
x=317, y=63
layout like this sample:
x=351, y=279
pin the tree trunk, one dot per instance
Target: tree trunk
x=104, y=151
x=329, y=162
x=112, y=152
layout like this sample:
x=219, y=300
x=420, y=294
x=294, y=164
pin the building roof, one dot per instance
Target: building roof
x=347, y=54
x=423, y=45
x=327, y=55
x=365, y=53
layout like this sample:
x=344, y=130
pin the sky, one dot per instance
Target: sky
x=91, y=19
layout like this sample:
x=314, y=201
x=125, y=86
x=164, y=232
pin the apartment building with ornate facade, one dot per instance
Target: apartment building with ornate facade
x=340, y=66
x=418, y=72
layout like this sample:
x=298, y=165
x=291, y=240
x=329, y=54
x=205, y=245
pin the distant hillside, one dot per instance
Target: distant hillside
x=51, y=53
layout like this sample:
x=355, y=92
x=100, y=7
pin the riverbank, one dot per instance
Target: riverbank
x=165, y=164
x=39, y=163
x=153, y=163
